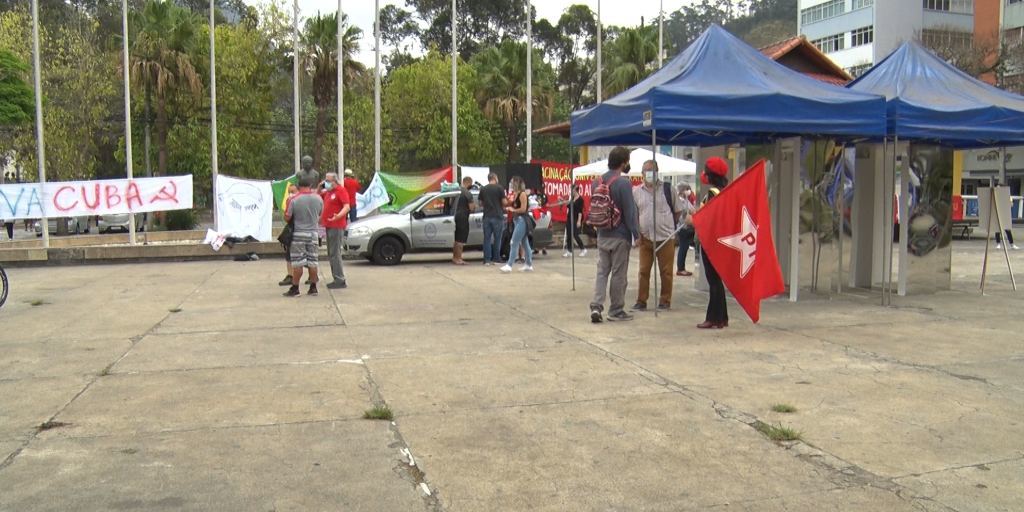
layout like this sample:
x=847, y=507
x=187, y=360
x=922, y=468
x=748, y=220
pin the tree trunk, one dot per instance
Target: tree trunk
x=318, y=137
x=161, y=137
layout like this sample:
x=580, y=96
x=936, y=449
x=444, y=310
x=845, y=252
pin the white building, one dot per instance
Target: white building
x=858, y=33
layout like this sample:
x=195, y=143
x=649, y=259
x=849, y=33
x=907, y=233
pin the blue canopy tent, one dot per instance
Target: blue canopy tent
x=719, y=91
x=927, y=99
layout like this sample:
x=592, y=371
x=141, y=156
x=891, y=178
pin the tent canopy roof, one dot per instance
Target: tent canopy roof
x=667, y=166
x=721, y=90
x=929, y=99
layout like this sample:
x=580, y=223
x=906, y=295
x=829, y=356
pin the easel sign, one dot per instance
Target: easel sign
x=994, y=215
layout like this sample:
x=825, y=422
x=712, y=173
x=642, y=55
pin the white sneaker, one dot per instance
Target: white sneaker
x=1014, y=247
x=566, y=254
x=583, y=253
x=505, y=268
x=526, y=268
x=999, y=246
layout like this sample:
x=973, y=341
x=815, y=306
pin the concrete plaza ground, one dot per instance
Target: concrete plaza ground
x=196, y=386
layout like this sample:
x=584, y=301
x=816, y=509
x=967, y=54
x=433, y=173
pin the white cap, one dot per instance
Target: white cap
x=348, y=172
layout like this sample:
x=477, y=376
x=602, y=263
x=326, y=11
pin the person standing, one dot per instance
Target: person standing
x=463, y=206
x=714, y=175
x=574, y=222
x=659, y=211
x=287, y=233
x=519, y=210
x=305, y=210
x=492, y=199
x=352, y=187
x=684, y=239
x=611, y=197
x=335, y=221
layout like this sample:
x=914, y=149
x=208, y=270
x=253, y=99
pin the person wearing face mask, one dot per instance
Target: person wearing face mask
x=335, y=220
x=685, y=236
x=658, y=211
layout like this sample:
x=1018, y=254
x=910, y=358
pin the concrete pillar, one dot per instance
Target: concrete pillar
x=866, y=216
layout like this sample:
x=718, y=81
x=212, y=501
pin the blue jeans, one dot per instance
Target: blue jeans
x=519, y=238
x=494, y=227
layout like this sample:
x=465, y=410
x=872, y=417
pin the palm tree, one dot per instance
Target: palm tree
x=502, y=91
x=320, y=60
x=632, y=56
x=163, y=39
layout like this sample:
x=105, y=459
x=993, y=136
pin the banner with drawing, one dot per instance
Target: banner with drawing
x=245, y=208
x=96, y=197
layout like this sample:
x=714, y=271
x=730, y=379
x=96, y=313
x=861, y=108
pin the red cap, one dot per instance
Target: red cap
x=716, y=165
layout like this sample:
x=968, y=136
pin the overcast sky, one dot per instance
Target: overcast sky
x=613, y=12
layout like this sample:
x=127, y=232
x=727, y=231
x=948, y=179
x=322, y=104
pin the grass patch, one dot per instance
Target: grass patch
x=175, y=310
x=379, y=412
x=784, y=408
x=36, y=302
x=778, y=432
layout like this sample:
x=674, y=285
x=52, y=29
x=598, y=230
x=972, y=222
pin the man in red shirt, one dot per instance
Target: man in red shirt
x=352, y=186
x=335, y=220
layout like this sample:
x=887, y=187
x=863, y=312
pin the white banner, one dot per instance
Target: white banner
x=376, y=195
x=245, y=208
x=97, y=197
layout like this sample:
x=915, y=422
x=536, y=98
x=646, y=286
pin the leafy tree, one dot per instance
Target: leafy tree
x=417, y=108
x=632, y=56
x=482, y=23
x=16, y=98
x=163, y=39
x=502, y=90
x=320, y=40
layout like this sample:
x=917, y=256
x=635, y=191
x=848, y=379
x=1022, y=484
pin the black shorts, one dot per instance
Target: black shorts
x=461, y=230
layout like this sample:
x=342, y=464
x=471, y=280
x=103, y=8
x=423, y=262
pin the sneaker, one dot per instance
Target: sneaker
x=583, y=253
x=639, y=306
x=526, y=268
x=505, y=268
x=287, y=281
x=664, y=307
x=595, y=316
x=999, y=246
x=334, y=285
x=1014, y=247
x=312, y=290
x=621, y=316
x=292, y=292
x=566, y=254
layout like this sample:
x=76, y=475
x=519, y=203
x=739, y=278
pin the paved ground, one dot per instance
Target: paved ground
x=196, y=386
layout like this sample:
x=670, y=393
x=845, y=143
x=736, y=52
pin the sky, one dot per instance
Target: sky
x=613, y=12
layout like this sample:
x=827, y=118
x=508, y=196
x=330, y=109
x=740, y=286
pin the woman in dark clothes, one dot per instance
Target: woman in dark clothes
x=715, y=170
x=573, y=222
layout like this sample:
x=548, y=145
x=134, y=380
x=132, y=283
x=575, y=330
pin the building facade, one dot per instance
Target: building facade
x=856, y=34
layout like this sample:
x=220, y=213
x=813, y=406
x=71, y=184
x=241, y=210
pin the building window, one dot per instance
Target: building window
x=946, y=39
x=858, y=70
x=822, y=11
x=956, y=6
x=830, y=44
x=860, y=4
x=862, y=36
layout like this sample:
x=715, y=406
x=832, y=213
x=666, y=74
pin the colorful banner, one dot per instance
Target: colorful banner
x=97, y=197
x=376, y=195
x=558, y=187
x=403, y=188
x=280, y=189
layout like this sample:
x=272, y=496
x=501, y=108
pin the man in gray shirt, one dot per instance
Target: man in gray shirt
x=305, y=210
x=614, y=243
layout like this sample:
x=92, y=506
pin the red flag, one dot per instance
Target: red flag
x=735, y=231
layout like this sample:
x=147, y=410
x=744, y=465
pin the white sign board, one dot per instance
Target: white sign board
x=96, y=197
x=986, y=208
x=245, y=208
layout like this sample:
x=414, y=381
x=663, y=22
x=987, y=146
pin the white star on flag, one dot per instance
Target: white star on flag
x=745, y=242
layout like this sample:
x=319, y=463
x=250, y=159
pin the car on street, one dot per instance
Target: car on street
x=118, y=221
x=76, y=225
x=425, y=224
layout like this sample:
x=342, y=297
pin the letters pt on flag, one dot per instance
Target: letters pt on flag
x=735, y=231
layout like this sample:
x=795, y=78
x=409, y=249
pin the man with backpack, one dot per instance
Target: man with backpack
x=659, y=211
x=613, y=214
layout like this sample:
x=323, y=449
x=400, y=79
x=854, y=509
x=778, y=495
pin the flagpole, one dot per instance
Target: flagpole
x=376, y=86
x=341, y=97
x=213, y=111
x=297, y=108
x=661, y=32
x=40, y=143
x=599, y=68
x=529, y=82
x=127, y=114
x=455, y=99
x=654, y=215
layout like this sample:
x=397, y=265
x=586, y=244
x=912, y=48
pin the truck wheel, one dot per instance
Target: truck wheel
x=388, y=251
